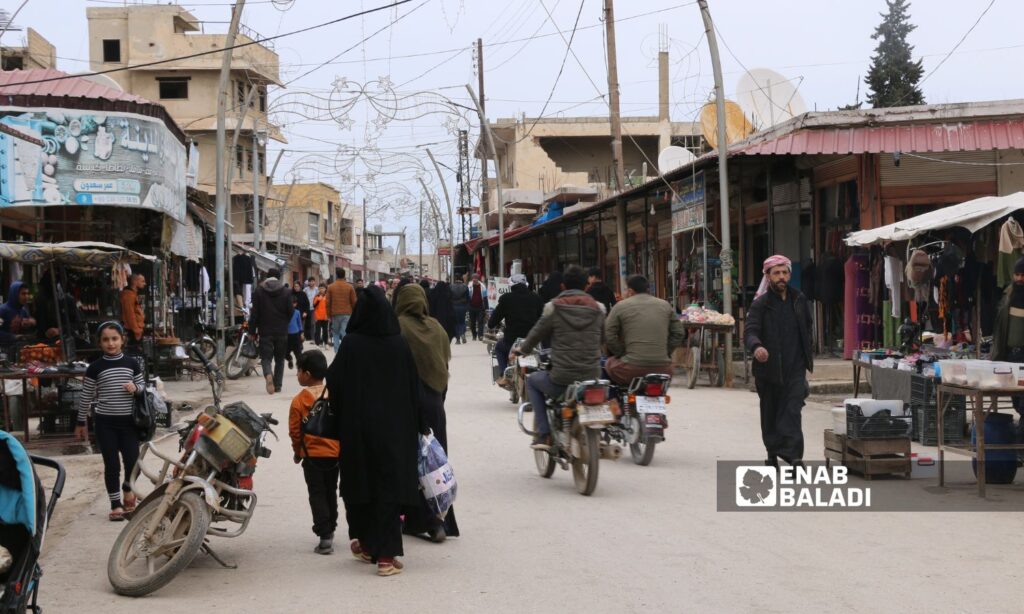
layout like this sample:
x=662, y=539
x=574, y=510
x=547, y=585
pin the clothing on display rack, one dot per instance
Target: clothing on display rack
x=1011, y=247
x=919, y=274
x=894, y=282
x=243, y=270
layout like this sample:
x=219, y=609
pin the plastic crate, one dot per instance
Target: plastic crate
x=922, y=389
x=56, y=424
x=953, y=421
x=881, y=425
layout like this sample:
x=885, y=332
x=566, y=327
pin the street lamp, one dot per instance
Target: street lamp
x=259, y=139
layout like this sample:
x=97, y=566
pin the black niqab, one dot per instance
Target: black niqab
x=442, y=308
x=373, y=315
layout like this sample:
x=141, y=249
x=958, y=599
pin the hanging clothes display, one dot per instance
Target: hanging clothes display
x=1011, y=247
x=894, y=282
x=919, y=274
x=859, y=321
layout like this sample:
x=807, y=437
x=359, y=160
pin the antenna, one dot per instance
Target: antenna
x=737, y=127
x=770, y=97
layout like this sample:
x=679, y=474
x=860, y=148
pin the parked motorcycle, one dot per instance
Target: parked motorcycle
x=207, y=491
x=243, y=357
x=576, y=420
x=204, y=339
x=642, y=420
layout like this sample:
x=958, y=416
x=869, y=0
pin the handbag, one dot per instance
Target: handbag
x=321, y=421
x=144, y=414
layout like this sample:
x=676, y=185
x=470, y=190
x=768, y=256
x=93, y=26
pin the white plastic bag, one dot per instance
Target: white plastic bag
x=437, y=480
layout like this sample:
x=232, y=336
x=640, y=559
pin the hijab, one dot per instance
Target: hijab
x=373, y=315
x=431, y=349
x=405, y=281
x=551, y=287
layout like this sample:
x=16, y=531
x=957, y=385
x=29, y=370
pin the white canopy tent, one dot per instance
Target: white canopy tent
x=972, y=215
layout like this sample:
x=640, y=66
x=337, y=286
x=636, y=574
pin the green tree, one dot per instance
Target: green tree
x=894, y=75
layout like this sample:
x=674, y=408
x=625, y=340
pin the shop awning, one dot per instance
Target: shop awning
x=79, y=254
x=264, y=261
x=972, y=215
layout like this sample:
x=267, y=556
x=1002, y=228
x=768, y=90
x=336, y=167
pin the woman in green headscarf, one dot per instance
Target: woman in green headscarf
x=431, y=351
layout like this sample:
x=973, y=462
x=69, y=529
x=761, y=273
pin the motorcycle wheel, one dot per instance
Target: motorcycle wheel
x=643, y=453
x=207, y=348
x=237, y=365
x=584, y=467
x=694, y=367
x=545, y=463
x=178, y=540
x=513, y=390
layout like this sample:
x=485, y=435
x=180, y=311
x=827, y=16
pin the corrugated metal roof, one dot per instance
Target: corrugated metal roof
x=932, y=137
x=51, y=82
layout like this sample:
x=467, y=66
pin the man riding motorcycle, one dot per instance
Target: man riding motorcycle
x=572, y=325
x=519, y=309
x=641, y=331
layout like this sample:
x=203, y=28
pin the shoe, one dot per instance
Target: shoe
x=501, y=382
x=389, y=567
x=276, y=389
x=359, y=553
x=541, y=442
x=130, y=502
x=437, y=535
x=326, y=545
x=291, y=365
x=458, y=341
x=772, y=462
x=116, y=515
x=270, y=383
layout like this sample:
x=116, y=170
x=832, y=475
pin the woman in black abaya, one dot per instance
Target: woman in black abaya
x=442, y=308
x=374, y=390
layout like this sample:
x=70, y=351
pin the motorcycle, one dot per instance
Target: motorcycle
x=577, y=419
x=207, y=491
x=242, y=359
x=204, y=339
x=642, y=420
x=519, y=368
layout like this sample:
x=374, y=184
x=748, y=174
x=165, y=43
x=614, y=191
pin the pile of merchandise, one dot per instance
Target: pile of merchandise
x=695, y=314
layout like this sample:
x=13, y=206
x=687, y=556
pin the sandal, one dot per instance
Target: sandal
x=116, y=515
x=359, y=553
x=130, y=502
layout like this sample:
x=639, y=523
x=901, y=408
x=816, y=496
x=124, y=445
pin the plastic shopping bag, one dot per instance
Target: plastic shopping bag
x=437, y=480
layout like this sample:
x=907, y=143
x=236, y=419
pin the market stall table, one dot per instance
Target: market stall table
x=944, y=394
x=858, y=366
x=706, y=352
x=24, y=376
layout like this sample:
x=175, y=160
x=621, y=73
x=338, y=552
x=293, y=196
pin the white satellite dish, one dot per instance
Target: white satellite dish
x=103, y=80
x=770, y=97
x=672, y=157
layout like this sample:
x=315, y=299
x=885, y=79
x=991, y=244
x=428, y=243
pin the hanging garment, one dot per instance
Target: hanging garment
x=876, y=275
x=859, y=321
x=894, y=282
x=919, y=274
x=242, y=269
x=1011, y=246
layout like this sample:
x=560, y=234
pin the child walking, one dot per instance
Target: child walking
x=111, y=382
x=295, y=336
x=319, y=456
x=320, y=318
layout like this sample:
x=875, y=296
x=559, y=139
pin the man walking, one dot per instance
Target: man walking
x=311, y=290
x=132, y=315
x=641, y=331
x=271, y=312
x=778, y=332
x=341, y=299
x=477, y=305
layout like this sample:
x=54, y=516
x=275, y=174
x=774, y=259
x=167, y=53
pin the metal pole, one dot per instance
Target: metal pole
x=222, y=195
x=364, y=238
x=255, y=189
x=616, y=125
x=284, y=210
x=485, y=200
x=485, y=131
x=420, y=271
x=266, y=195
x=451, y=220
x=723, y=181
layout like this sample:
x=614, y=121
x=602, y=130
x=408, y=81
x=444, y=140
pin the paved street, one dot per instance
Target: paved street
x=648, y=540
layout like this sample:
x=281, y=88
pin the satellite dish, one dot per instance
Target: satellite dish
x=672, y=157
x=769, y=97
x=103, y=80
x=737, y=127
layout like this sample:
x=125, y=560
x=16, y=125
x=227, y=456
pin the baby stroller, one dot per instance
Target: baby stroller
x=24, y=514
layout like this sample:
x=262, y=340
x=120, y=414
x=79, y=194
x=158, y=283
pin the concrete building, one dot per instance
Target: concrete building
x=308, y=224
x=187, y=87
x=33, y=52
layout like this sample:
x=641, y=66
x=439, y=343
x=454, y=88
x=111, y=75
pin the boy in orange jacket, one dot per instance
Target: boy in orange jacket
x=319, y=456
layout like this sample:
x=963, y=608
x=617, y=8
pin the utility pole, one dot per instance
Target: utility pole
x=451, y=220
x=485, y=132
x=255, y=188
x=485, y=201
x=284, y=211
x=723, y=182
x=420, y=271
x=616, y=124
x=364, y=238
x=266, y=193
x=222, y=194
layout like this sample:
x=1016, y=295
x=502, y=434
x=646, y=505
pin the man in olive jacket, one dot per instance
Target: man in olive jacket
x=572, y=325
x=641, y=332
x=778, y=333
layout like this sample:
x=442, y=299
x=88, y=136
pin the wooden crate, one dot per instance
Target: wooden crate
x=869, y=457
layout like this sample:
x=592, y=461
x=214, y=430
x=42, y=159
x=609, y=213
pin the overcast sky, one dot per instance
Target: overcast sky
x=824, y=46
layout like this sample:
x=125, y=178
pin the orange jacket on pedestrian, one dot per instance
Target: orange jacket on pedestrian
x=341, y=298
x=316, y=447
x=320, y=308
x=131, y=313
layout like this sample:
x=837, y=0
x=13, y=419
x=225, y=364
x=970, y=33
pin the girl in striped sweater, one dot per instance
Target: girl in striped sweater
x=111, y=383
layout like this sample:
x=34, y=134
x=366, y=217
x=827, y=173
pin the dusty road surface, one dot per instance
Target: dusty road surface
x=649, y=539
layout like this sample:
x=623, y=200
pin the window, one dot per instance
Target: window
x=261, y=93
x=248, y=163
x=111, y=50
x=330, y=215
x=314, y=227
x=240, y=89
x=173, y=88
x=239, y=158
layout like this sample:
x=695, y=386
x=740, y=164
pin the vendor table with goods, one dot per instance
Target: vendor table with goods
x=704, y=349
x=56, y=412
x=979, y=381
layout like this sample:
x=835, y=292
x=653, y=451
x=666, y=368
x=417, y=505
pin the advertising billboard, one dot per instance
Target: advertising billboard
x=688, y=204
x=72, y=157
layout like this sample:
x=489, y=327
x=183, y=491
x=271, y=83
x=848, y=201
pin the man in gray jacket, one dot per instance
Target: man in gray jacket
x=641, y=332
x=572, y=326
